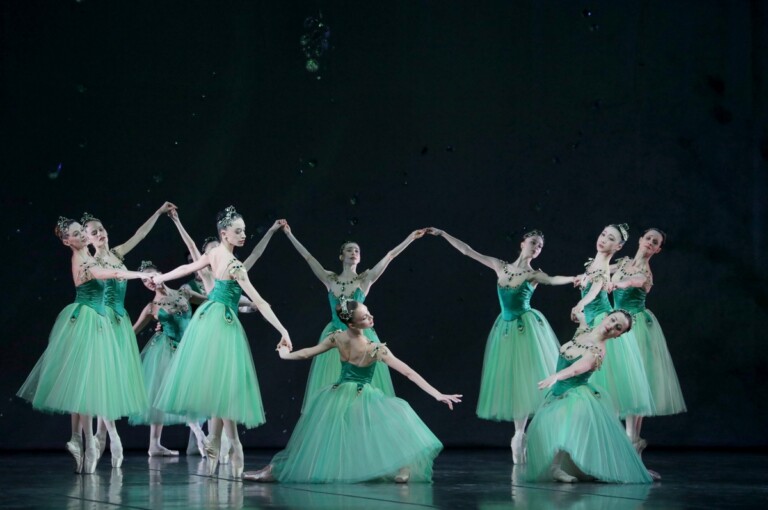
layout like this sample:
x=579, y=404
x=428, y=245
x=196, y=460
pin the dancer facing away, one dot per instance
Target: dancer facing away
x=198, y=288
x=349, y=285
x=114, y=300
x=79, y=371
x=521, y=347
x=575, y=434
x=623, y=376
x=631, y=283
x=173, y=311
x=351, y=431
x=218, y=379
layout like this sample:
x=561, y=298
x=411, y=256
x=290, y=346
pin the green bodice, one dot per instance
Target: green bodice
x=333, y=301
x=515, y=301
x=90, y=294
x=114, y=295
x=601, y=304
x=561, y=387
x=355, y=374
x=174, y=324
x=226, y=292
x=631, y=299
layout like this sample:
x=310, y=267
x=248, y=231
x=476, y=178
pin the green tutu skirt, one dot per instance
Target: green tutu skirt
x=623, y=375
x=326, y=369
x=665, y=388
x=212, y=372
x=133, y=395
x=79, y=372
x=155, y=360
x=583, y=424
x=348, y=436
x=518, y=355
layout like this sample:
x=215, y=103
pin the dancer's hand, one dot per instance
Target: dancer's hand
x=166, y=208
x=418, y=233
x=285, y=342
x=174, y=215
x=577, y=313
x=434, y=231
x=610, y=287
x=286, y=228
x=578, y=280
x=157, y=279
x=278, y=224
x=548, y=382
x=158, y=327
x=449, y=400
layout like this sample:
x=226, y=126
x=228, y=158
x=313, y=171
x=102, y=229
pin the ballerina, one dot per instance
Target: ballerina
x=172, y=310
x=325, y=369
x=575, y=434
x=351, y=431
x=631, y=283
x=77, y=374
x=623, y=377
x=521, y=347
x=129, y=365
x=217, y=380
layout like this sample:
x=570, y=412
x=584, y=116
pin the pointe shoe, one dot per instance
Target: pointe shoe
x=102, y=437
x=91, y=457
x=654, y=475
x=262, y=475
x=158, y=450
x=116, y=449
x=212, y=447
x=225, y=451
x=201, y=446
x=519, y=449
x=403, y=475
x=75, y=447
x=561, y=476
x=238, y=461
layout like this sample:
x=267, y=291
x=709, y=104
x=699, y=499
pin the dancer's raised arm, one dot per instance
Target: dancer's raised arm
x=465, y=249
x=123, y=249
x=258, y=250
x=376, y=271
x=322, y=274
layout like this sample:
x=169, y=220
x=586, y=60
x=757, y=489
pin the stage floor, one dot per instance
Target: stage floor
x=463, y=479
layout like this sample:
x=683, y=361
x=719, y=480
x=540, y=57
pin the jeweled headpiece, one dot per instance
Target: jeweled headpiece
x=230, y=215
x=533, y=233
x=62, y=227
x=344, y=313
x=623, y=228
x=209, y=239
x=88, y=217
x=146, y=264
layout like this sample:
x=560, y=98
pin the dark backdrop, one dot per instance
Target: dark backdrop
x=481, y=118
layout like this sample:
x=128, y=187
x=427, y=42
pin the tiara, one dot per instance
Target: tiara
x=344, y=313
x=624, y=229
x=62, y=225
x=230, y=215
x=146, y=264
x=88, y=217
x=533, y=233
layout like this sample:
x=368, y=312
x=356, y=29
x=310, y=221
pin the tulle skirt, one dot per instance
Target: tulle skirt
x=348, y=436
x=662, y=378
x=212, y=372
x=155, y=360
x=582, y=423
x=518, y=355
x=623, y=376
x=133, y=397
x=326, y=369
x=79, y=370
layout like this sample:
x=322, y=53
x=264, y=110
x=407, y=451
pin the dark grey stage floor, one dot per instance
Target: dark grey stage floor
x=463, y=479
